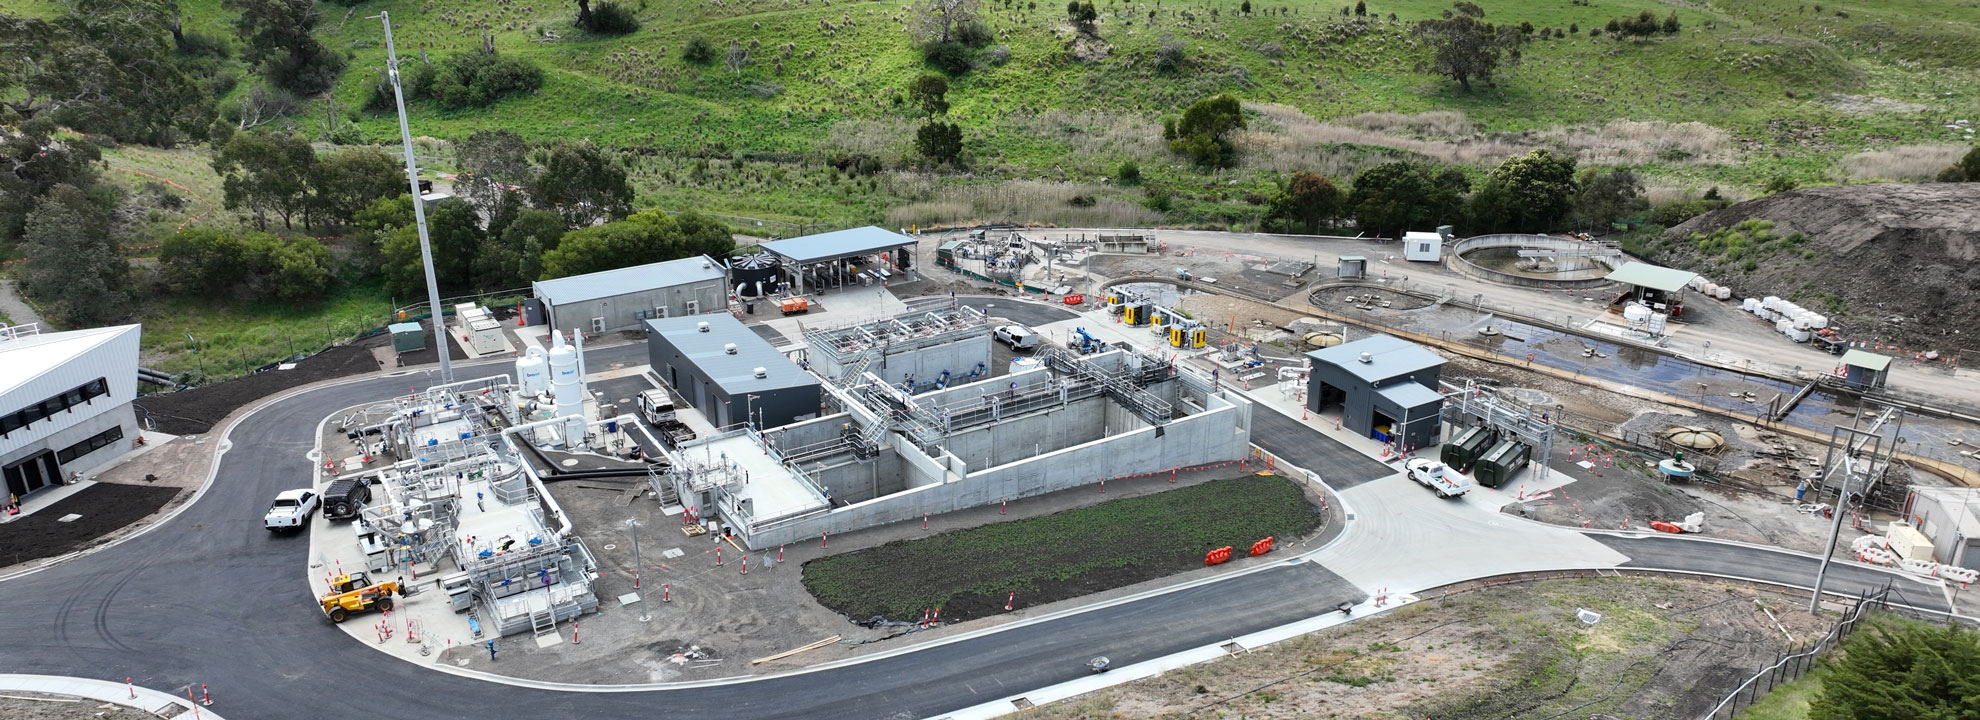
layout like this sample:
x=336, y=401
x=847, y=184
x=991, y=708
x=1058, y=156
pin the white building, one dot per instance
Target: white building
x=1425, y=246
x=65, y=402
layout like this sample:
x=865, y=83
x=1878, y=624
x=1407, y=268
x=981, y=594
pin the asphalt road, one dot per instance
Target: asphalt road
x=1339, y=465
x=211, y=597
x=1786, y=568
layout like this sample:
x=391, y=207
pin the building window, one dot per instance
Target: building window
x=94, y=443
x=28, y=416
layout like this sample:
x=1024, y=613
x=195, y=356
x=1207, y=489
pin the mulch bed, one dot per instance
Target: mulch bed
x=104, y=507
x=195, y=411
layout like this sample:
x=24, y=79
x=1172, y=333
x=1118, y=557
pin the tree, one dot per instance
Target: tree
x=1308, y=200
x=611, y=18
x=514, y=257
x=1204, y=131
x=930, y=93
x=1394, y=197
x=279, y=35
x=1966, y=170
x=582, y=182
x=1902, y=670
x=266, y=172
x=254, y=265
x=942, y=20
x=1360, y=8
x=475, y=78
x=584, y=14
x=1608, y=197
x=736, y=58
x=454, y=232
x=105, y=66
x=940, y=142
x=74, y=265
x=1530, y=193
x=647, y=237
x=1128, y=174
x=1083, y=16
x=32, y=163
x=1467, y=47
x=1671, y=24
x=494, y=165
x=344, y=184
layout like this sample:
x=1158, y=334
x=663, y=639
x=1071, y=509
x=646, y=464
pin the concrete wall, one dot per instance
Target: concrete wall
x=959, y=358
x=939, y=485
x=624, y=312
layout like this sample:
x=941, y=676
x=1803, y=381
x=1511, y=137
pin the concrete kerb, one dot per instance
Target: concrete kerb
x=145, y=700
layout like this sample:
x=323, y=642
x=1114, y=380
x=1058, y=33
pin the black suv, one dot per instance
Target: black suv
x=345, y=498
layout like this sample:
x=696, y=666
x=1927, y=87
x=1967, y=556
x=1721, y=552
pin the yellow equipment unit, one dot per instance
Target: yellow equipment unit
x=355, y=593
x=1176, y=334
x=1198, y=337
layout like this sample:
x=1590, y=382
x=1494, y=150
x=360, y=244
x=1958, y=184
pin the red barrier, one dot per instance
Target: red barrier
x=1218, y=556
x=1261, y=547
x=1075, y=299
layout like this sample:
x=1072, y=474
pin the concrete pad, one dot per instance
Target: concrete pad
x=671, y=553
x=71, y=517
x=628, y=599
x=551, y=640
x=1426, y=541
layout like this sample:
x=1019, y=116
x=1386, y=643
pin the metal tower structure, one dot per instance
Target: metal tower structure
x=419, y=207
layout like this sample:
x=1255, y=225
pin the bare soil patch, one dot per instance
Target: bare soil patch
x=104, y=507
x=195, y=411
x=20, y=708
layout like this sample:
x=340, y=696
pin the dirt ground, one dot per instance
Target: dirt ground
x=1662, y=649
x=22, y=708
x=195, y=411
x=104, y=507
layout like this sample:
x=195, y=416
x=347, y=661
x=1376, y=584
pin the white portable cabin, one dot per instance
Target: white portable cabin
x=1425, y=247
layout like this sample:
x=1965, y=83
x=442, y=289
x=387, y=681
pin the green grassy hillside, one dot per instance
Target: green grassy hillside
x=1774, y=88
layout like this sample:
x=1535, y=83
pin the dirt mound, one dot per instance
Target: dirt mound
x=1888, y=262
x=193, y=412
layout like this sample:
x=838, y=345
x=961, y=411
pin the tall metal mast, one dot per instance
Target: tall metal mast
x=419, y=207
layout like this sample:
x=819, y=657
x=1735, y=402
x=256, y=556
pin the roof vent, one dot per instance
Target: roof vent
x=701, y=327
x=762, y=373
x=729, y=348
x=706, y=265
x=1367, y=358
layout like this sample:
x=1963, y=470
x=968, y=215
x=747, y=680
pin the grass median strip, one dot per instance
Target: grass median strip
x=970, y=573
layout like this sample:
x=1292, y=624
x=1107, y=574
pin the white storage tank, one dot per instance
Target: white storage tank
x=565, y=384
x=1784, y=326
x=1710, y=289
x=532, y=372
x=1771, y=303
x=1724, y=293
x=1820, y=322
x=1697, y=282
x=1799, y=335
x=1750, y=304
x=1635, y=313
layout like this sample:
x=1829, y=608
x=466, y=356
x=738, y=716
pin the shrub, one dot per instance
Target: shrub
x=1159, y=200
x=996, y=56
x=475, y=79
x=1128, y=173
x=1171, y=56
x=950, y=57
x=1081, y=201
x=698, y=51
x=611, y=18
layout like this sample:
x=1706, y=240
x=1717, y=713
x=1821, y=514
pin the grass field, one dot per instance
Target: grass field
x=968, y=573
x=230, y=338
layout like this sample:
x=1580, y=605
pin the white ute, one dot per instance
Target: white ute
x=1018, y=337
x=1438, y=477
x=291, y=510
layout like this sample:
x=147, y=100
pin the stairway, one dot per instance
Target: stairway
x=543, y=621
x=852, y=371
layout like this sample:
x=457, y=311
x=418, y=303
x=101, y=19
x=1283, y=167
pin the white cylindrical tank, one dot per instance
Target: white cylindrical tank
x=533, y=372
x=1724, y=293
x=1635, y=313
x=564, y=382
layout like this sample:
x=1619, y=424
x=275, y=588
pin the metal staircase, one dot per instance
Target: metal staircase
x=852, y=371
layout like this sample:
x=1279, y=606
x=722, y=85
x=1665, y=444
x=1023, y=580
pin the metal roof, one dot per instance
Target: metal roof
x=833, y=245
x=1651, y=276
x=1866, y=360
x=1389, y=357
x=1410, y=395
x=29, y=356
x=638, y=278
x=733, y=373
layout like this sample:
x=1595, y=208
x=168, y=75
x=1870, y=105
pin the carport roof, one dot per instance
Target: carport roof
x=837, y=244
x=1388, y=356
x=1652, y=276
x=1409, y=395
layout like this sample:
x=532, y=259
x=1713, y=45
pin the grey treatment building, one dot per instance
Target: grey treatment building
x=615, y=300
x=729, y=373
x=1386, y=388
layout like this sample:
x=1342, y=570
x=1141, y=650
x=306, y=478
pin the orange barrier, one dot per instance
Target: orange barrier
x=1218, y=556
x=1662, y=526
x=1261, y=547
x=1075, y=299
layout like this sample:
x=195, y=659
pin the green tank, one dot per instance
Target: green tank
x=1460, y=453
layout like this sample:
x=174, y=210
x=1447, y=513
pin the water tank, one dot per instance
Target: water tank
x=1750, y=304
x=1710, y=289
x=1784, y=326
x=565, y=385
x=1771, y=303
x=1636, y=313
x=1317, y=340
x=1802, y=322
x=1799, y=335
x=753, y=274
x=533, y=372
x=1724, y=293
x=1819, y=322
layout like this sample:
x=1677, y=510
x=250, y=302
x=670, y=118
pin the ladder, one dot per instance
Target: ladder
x=852, y=371
x=543, y=622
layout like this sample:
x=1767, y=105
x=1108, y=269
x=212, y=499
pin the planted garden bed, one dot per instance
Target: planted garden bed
x=970, y=573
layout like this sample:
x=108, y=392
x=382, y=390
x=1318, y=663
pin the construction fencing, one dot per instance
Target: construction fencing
x=1788, y=667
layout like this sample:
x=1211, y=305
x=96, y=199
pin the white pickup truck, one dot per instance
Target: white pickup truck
x=291, y=510
x=1439, y=477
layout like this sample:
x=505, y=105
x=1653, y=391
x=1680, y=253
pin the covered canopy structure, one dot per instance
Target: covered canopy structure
x=863, y=255
x=1657, y=287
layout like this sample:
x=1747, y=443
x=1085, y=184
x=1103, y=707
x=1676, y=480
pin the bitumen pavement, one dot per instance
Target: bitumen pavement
x=1340, y=466
x=1667, y=552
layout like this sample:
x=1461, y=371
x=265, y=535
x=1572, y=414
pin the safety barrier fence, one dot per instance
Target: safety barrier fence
x=1788, y=667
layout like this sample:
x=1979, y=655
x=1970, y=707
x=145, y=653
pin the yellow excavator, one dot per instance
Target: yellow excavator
x=355, y=593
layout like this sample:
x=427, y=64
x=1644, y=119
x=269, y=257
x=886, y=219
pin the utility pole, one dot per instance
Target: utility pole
x=419, y=206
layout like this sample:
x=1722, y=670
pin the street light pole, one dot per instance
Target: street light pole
x=419, y=206
x=1835, y=532
x=632, y=527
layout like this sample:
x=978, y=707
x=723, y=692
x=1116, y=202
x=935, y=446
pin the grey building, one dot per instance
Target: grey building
x=729, y=373
x=1379, y=382
x=616, y=300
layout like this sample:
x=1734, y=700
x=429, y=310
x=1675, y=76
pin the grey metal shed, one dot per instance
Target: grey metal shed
x=620, y=299
x=1385, y=387
x=729, y=373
